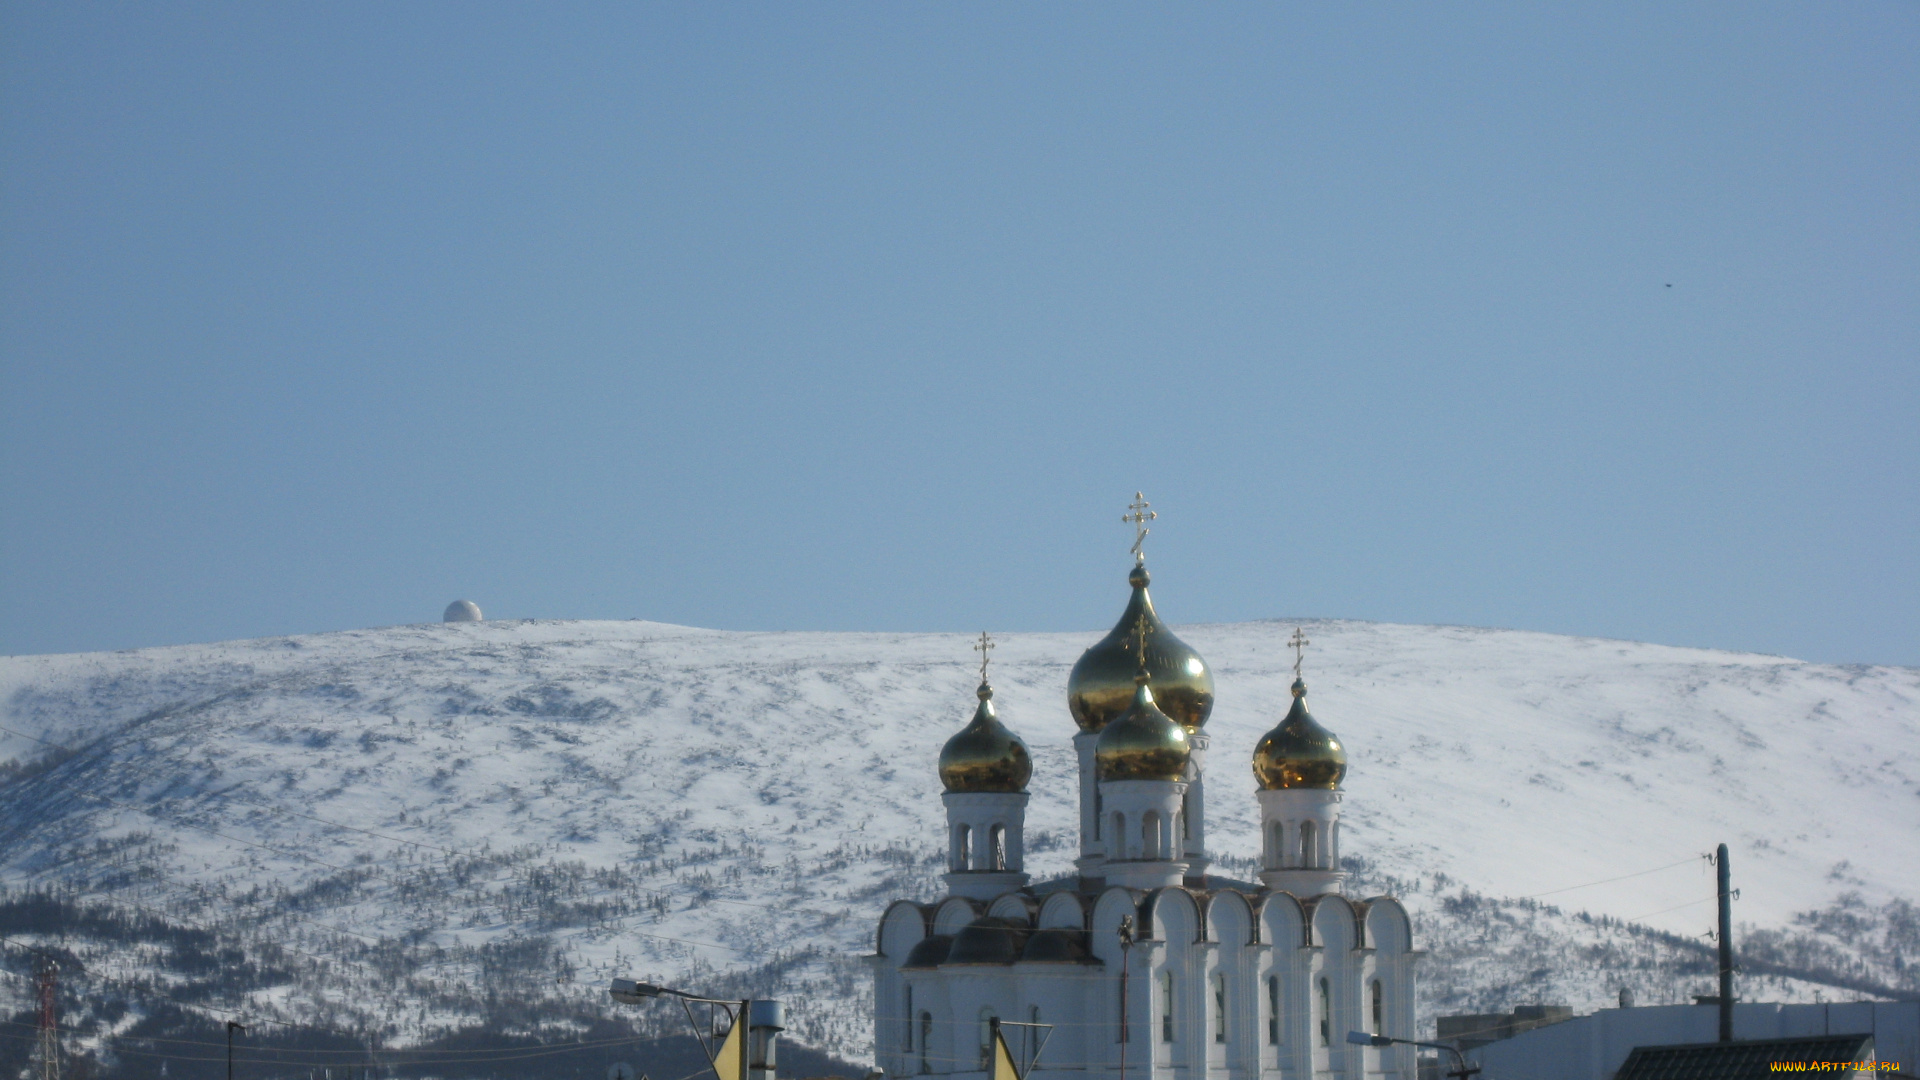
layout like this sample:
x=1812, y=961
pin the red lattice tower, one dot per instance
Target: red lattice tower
x=49, y=1030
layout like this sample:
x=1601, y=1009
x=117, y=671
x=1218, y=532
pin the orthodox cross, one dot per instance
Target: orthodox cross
x=985, y=644
x=1138, y=515
x=1140, y=631
x=1298, y=643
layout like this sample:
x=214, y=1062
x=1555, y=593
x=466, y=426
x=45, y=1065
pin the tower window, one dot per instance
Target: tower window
x=1273, y=1010
x=1166, y=1005
x=1326, y=1014
x=1219, y=1007
x=1186, y=815
x=1306, y=845
x=1150, y=836
x=926, y=1036
x=1099, y=810
x=1119, y=839
x=963, y=847
x=997, y=844
x=1379, y=1008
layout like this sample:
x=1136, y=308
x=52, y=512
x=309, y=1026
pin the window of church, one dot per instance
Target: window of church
x=1273, y=1010
x=1186, y=815
x=963, y=848
x=1219, y=1007
x=1326, y=1013
x=1150, y=836
x=1306, y=845
x=909, y=1017
x=1166, y=1005
x=998, y=845
x=1099, y=811
x=926, y=1037
x=986, y=1036
x=1379, y=1008
x=1118, y=850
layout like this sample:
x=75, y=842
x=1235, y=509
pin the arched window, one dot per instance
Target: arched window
x=1219, y=1006
x=1150, y=835
x=1273, y=1010
x=909, y=1017
x=1186, y=815
x=963, y=847
x=1333, y=846
x=1326, y=1013
x=1099, y=811
x=987, y=1017
x=926, y=1036
x=1379, y=1009
x=1166, y=1005
x=1306, y=845
x=1276, y=845
x=997, y=844
x=1028, y=1035
x=1117, y=842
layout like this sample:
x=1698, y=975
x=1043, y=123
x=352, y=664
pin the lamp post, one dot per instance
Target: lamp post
x=765, y=1020
x=1361, y=1038
x=232, y=1026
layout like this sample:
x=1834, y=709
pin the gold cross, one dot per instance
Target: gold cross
x=986, y=643
x=1138, y=515
x=1140, y=632
x=1299, y=645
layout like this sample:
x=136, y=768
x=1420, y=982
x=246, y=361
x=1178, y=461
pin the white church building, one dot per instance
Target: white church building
x=1142, y=966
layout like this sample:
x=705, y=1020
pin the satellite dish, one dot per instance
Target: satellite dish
x=620, y=1070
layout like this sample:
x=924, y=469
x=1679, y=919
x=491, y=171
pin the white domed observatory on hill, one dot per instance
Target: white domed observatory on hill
x=462, y=611
x=1141, y=965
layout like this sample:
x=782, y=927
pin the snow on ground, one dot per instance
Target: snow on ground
x=771, y=790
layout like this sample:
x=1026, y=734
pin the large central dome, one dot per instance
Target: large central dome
x=1102, y=684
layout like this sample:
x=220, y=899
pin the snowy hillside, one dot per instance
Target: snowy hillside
x=536, y=806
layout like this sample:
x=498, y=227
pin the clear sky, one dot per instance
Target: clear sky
x=1594, y=319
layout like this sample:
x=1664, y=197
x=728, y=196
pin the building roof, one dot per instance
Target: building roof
x=1740, y=1059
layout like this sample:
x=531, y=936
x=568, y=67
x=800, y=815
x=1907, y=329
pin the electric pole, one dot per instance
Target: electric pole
x=1726, y=945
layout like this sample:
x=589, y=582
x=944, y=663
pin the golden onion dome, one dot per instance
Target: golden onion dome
x=985, y=756
x=1101, y=686
x=1299, y=753
x=1143, y=743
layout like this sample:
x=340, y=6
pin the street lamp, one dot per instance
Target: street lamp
x=764, y=1020
x=232, y=1026
x=1361, y=1038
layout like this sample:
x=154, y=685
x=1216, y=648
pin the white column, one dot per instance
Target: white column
x=971, y=869
x=1092, y=842
x=1316, y=869
x=1146, y=854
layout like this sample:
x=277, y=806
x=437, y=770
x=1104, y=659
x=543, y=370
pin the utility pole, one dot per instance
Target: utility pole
x=232, y=1026
x=49, y=986
x=1126, y=968
x=1726, y=945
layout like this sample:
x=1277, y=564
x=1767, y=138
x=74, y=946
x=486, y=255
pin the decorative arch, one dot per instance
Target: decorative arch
x=954, y=914
x=1230, y=920
x=1283, y=921
x=1062, y=910
x=902, y=926
x=1389, y=930
x=1014, y=905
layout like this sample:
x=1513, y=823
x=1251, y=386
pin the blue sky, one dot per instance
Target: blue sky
x=1593, y=319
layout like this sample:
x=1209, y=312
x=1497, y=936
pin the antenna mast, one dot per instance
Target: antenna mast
x=49, y=1026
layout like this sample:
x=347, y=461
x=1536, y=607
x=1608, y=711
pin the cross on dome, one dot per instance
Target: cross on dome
x=1141, y=628
x=985, y=645
x=1138, y=515
x=1298, y=643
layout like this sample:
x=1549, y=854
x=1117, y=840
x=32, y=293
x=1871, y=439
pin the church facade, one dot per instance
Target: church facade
x=1142, y=965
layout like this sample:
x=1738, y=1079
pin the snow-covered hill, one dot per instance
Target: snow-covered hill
x=545, y=804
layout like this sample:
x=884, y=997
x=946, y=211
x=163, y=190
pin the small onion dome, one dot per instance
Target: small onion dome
x=1299, y=753
x=985, y=756
x=462, y=611
x=1143, y=744
x=1101, y=686
x=989, y=940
